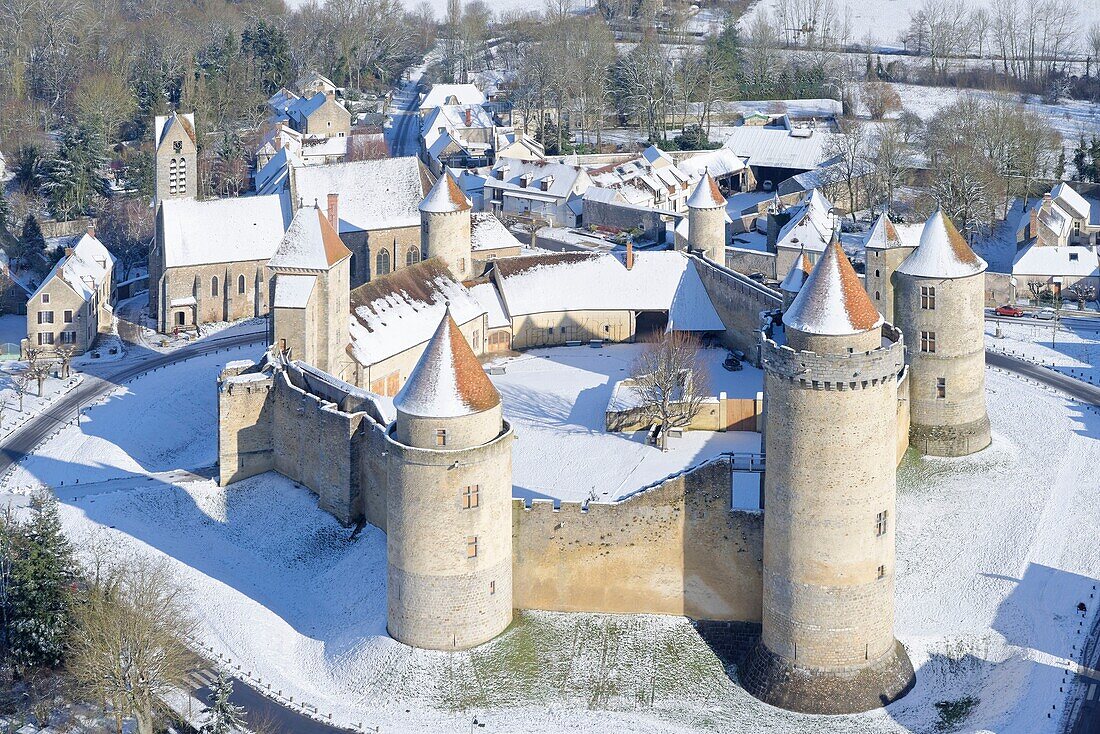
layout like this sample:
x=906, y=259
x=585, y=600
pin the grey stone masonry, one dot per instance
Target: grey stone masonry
x=837, y=372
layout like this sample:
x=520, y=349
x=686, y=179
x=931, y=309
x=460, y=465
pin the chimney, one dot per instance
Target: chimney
x=1046, y=202
x=333, y=218
x=1033, y=225
x=68, y=251
x=469, y=117
x=629, y=253
x=91, y=230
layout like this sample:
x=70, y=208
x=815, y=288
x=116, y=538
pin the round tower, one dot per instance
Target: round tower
x=707, y=220
x=794, y=279
x=445, y=226
x=827, y=643
x=449, y=507
x=940, y=301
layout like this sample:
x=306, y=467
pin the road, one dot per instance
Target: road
x=1082, y=391
x=403, y=135
x=260, y=711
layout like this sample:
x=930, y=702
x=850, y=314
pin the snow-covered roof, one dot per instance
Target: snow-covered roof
x=281, y=100
x=706, y=195
x=380, y=194
x=324, y=146
x=272, y=178
x=293, y=291
x=1074, y=260
x=489, y=298
x=777, y=147
x=449, y=94
x=942, y=252
x=310, y=243
x=883, y=235
x=85, y=268
x=810, y=226
x=222, y=230
x=448, y=381
x=603, y=195
x=797, y=275
x=560, y=179
x=445, y=197
x=1070, y=200
x=638, y=179
x=720, y=162
x=832, y=300
x=581, y=281
x=401, y=310
x=489, y=233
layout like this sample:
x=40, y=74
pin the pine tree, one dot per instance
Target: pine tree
x=40, y=592
x=73, y=181
x=1080, y=159
x=1060, y=165
x=32, y=242
x=225, y=716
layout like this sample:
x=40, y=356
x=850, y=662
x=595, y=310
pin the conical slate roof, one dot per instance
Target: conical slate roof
x=797, y=275
x=942, y=252
x=448, y=381
x=310, y=243
x=832, y=300
x=706, y=194
x=446, y=196
x=882, y=235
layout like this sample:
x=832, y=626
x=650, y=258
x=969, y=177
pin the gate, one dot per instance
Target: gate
x=9, y=351
x=740, y=414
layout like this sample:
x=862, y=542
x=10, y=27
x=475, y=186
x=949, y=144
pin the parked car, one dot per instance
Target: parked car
x=732, y=363
x=1046, y=314
x=1007, y=310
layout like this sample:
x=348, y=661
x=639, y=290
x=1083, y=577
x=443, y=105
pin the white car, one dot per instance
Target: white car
x=1046, y=314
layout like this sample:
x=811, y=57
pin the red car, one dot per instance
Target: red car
x=1009, y=311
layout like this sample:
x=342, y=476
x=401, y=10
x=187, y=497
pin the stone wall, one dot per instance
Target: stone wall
x=245, y=417
x=999, y=289
x=196, y=281
x=676, y=548
x=748, y=262
x=738, y=301
x=556, y=328
x=653, y=222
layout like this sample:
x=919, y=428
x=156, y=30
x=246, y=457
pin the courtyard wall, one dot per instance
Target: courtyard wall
x=738, y=301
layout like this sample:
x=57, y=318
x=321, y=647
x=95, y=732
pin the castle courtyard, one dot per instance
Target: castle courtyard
x=279, y=587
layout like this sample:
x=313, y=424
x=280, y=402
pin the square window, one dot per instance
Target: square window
x=471, y=546
x=45, y=298
x=880, y=524
x=68, y=317
x=470, y=496
x=928, y=297
x=441, y=437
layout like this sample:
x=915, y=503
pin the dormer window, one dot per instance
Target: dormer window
x=1073, y=257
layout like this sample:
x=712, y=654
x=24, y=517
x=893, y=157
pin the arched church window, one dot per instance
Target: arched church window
x=412, y=257
x=382, y=263
x=240, y=284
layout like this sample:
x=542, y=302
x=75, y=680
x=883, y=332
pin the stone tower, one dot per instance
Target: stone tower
x=449, y=508
x=176, y=159
x=939, y=297
x=885, y=252
x=794, y=279
x=828, y=641
x=445, y=226
x=707, y=220
x=310, y=291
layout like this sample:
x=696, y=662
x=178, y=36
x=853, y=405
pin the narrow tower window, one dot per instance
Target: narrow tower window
x=882, y=572
x=941, y=387
x=470, y=498
x=214, y=286
x=240, y=284
x=880, y=524
x=471, y=546
x=928, y=297
x=441, y=437
x=928, y=342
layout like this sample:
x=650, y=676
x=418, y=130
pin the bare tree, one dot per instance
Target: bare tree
x=129, y=648
x=1083, y=293
x=37, y=367
x=21, y=382
x=670, y=381
x=1092, y=41
x=880, y=99
x=849, y=151
x=65, y=354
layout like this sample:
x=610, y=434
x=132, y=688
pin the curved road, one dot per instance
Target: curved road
x=27, y=437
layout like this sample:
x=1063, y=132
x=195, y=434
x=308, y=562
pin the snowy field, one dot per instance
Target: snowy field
x=1074, y=348
x=556, y=399
x=989, y=573
x=882, y=21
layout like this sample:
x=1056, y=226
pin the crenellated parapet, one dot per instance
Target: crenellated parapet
x=854, y=371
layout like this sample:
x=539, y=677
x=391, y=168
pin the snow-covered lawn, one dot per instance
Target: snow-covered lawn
x=993, y=557
x=1069, y=346
x=164, y=420
x=556, y=400
x=33, y=403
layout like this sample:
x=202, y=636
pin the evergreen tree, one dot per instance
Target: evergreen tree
x=73, y=182
x=1080, y=159
x=1060, y=165
x=1094, y=163
x=31, y=242
x=269, y=49
x=40, y=589
x=225, y=716
x=5, y=211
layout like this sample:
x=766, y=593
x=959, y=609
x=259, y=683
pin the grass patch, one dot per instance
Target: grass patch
x=952, y=713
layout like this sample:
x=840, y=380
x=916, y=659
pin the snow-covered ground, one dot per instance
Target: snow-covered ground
x=556, y=400
x=1068, y=346
x=990, y=568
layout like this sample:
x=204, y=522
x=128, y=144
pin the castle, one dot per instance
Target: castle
x=854, y=374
